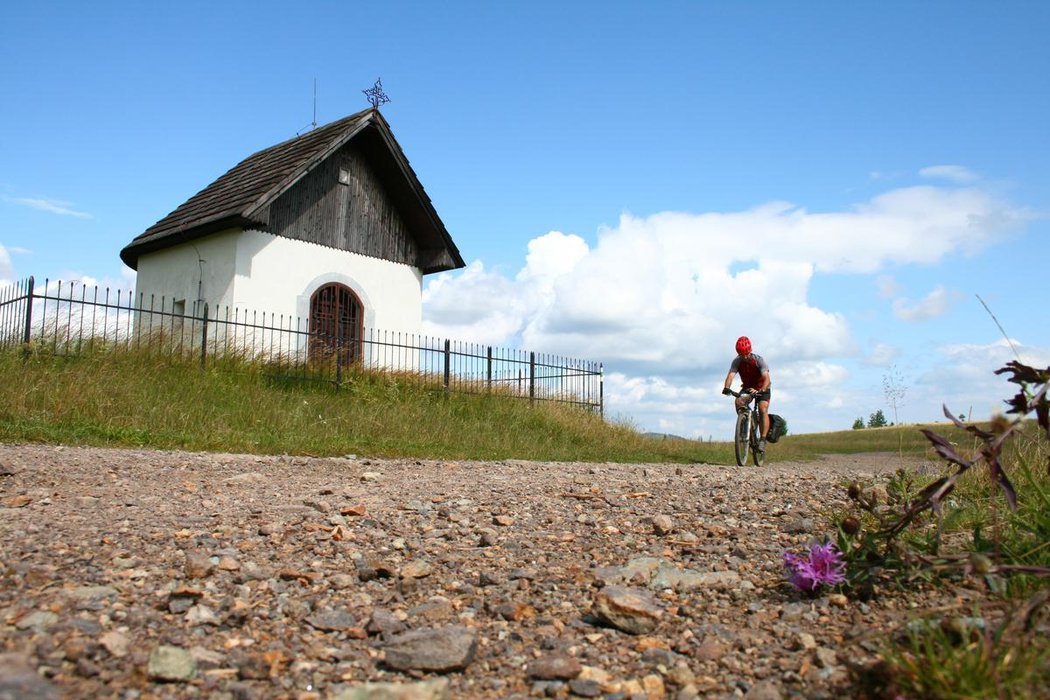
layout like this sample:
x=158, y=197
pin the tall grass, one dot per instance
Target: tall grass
x=133, y=398
x=985, y=528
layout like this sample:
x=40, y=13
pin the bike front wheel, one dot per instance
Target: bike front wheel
x=742, y=438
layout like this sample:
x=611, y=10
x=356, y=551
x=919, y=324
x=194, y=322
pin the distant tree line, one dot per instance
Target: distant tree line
x=894, y=388
x=875, y=420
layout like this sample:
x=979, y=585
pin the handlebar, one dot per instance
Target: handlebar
x=738, y=394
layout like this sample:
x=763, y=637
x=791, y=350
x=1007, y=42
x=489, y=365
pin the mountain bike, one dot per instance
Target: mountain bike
x=748, y=431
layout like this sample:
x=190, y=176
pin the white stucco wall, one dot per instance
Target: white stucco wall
x=178, y=273
x=268, y=280
x=279, y=275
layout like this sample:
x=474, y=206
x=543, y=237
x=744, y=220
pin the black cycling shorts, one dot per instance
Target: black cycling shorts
x=763, y=395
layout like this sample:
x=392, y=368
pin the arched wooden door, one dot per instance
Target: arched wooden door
x=336, y=324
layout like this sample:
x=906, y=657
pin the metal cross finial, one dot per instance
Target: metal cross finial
x=376, y=95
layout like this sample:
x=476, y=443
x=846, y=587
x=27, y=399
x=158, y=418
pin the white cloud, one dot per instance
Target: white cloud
x=81, y=285
x=552, y=256
x=933, y=305
x=474, y=305
x=128, y=277
x=882, y=355
x=819, y=375
x=7, y=270
x=965, y=381
x=659, y=294
x=53, y=206
x=953, y=173
x=661, y=299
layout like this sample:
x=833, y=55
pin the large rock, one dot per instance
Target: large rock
x=631, y=610
x=668, y=576
x=658, y=573
x=439, y=650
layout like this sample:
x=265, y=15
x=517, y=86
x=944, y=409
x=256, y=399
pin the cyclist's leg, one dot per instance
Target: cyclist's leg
x=763, y=408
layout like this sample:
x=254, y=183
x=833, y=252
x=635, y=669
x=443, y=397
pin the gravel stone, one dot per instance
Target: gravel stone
x=19, y=680
x=631, y=610
x=437, y=650
x=436, y=689
x=168, y=663
x=554, y=667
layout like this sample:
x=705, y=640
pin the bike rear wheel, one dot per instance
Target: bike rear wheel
x=756, y=432
x=742, y=438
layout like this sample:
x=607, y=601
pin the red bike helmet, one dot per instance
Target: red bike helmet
x=743, y=345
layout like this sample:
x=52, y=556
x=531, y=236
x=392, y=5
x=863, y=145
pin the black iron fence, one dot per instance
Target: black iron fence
x=65, y=318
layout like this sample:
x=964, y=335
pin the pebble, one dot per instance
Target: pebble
x=561, y=667
x=764, y=690
x=417, y=569
x=585, y=688
x=198, y=565
x=663, y=525
x=115, y=642
x=631, y=610
x=39, y=620
x=436, y=689
x=19, y=680
x=170, y=663
x=328, y=620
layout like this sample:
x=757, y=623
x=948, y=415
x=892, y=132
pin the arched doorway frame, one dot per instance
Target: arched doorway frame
x=336, y=324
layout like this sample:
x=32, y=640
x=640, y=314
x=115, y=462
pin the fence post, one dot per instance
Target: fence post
x=204, y=337
x=448, y=362
x=27, y=332
x=601, y=390
x=532, y=377
x=488, y=370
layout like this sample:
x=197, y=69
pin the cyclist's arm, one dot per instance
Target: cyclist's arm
x=729, y=379
x=764, y=382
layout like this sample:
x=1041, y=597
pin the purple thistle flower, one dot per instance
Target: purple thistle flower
x=822, y=565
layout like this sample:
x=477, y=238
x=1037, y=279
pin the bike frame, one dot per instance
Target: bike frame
x=748, y=422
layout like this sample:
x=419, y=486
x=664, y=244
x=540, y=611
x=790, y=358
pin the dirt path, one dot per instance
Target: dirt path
x=135, y=574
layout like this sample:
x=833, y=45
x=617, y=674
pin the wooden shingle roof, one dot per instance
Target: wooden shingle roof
x=241, y=197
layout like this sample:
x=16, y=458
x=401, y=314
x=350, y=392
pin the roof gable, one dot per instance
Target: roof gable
x=241, y=197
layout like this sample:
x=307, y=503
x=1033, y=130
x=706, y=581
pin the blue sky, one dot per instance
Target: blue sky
x=636, y=184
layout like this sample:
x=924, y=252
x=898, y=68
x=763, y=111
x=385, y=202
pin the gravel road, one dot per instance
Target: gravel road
x=150, y=574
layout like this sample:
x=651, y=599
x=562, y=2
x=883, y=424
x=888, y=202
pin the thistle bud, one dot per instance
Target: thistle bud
x=854, y=490
x=850, y=525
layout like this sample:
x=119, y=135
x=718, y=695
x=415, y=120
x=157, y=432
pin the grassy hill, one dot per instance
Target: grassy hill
x=132, y=398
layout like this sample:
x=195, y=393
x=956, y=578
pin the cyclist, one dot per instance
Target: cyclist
x=754, y=373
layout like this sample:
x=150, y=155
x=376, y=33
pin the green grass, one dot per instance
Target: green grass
x=952, y=658
x=980, y=543
x=134, y=398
